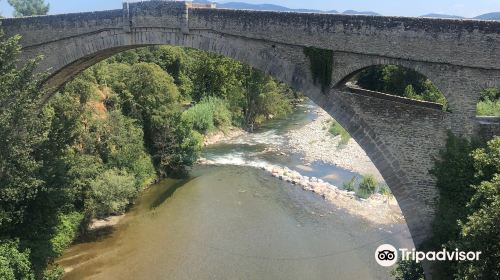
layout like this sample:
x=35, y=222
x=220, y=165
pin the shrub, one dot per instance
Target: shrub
x=14, y=264
x=209, y=114
x=349, y=185
x=336, y=129
x=384, y=189
x=408, y=270
x=111, y=192
x=367, y=186
x=488, y=108
x=55, y=273
x=175, y=145
x=489, y=103
x=66, y=231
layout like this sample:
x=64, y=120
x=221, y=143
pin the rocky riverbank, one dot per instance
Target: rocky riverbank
x=222, y=136
x=378, y=209
x=316, y=143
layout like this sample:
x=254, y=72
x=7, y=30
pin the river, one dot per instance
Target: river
x=232, y=221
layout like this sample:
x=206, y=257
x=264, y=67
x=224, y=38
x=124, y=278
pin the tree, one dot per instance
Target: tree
x=148, y=89
x=480, y=230
x=25, y=8
x=214, y=76
x=399, y=81
x=14, y=263
x=111, y=192
x=173, y=60
x=408, y=270
x=23, y=129
x=175, y=145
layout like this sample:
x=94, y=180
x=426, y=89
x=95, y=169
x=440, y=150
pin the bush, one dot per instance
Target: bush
x=468, y=186
x=408, y=270
x=209, y=114
x=367, y=186
x=14, y=264
x=384, y=189
x=489, y=103
x=66, y=231
x=175, y=145
x=55, y=273
x=111, y=192
x=350, y=185
x=480, y=231
x=488, y=108
x=336, y=129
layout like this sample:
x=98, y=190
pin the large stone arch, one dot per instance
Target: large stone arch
x=289, y=65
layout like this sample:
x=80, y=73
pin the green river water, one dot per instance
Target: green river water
x=233, y=221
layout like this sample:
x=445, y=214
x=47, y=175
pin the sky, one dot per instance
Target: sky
x=466, y=8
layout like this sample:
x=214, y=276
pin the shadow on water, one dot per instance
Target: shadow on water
x=161, y=198
x=95, y=235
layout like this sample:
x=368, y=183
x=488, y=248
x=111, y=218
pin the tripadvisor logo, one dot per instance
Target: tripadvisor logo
x=387, y=255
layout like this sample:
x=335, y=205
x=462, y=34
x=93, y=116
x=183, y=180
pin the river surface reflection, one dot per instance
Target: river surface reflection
x=233, y=223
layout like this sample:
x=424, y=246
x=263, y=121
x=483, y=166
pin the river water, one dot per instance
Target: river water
x=232, y=221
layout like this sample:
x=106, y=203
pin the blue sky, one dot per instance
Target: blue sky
x=467, y=8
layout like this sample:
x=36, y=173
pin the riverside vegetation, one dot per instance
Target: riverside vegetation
x=106, y=136
x=123, y=123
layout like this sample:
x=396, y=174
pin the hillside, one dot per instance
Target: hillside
x=367, y=13
x=432, y=15
x=489, y=16
x=267, y=7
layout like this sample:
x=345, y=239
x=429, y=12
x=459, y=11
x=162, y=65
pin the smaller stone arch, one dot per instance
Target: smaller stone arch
x=355, y=83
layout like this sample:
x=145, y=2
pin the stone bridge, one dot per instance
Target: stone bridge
x=402, y=138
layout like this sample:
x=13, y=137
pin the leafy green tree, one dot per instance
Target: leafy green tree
x=148, y=89
x=480, y=231
x=408, y=270
x=121, y=145
x=468, y=182
x=214, y=76
x=24, y=8
x=399, y=81
x=111, y=192
x=14, y=263
x=174, y=60
x=275, y=100
x=175, y=144
x=23, y=129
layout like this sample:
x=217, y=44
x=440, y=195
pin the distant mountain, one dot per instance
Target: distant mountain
x=490, y=16
x=278, y=8
x=266, y=7
x=442, y=16
x=367, y=13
